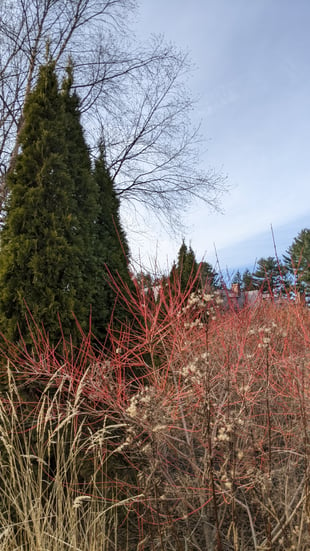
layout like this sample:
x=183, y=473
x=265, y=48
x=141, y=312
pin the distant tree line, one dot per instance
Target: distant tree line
x=271, y=275
x=276, y=276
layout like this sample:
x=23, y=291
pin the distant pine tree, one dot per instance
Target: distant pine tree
x=297, y=261
x=270, y=276
x=186, y=267
x=208, y=277
x=247, y=281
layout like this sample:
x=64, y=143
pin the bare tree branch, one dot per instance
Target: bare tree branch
x=132, y=96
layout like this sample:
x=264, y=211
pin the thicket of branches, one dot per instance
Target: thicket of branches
x=190, y=432
x=132, y=95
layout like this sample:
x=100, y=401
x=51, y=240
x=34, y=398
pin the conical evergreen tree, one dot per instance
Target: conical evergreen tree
x=86, y=197
x=62, y=235
x=186, y=267
x=111, y=252
x=40, y=265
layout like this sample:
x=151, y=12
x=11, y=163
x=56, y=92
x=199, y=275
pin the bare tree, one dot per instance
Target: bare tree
x=132, y=96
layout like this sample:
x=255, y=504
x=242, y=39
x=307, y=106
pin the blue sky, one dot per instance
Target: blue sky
x=252, y=77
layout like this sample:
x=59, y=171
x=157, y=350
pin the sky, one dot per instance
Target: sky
x=252, y=77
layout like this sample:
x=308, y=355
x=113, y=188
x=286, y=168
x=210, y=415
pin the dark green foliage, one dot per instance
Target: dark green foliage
x=111, y=253
x=39, y=260
x=145, y=279
x=208, y=277
x=297, y=261
x=188, y=272
x=270, y=276
x=62, y=234
x=186, y=268
x=86, y=197
x=247, y=283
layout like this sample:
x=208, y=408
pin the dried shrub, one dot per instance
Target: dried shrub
x=193, y=422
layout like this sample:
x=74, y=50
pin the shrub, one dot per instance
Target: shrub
x=191, y=431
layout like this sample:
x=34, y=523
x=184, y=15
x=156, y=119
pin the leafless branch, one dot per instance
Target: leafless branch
x=132, y=96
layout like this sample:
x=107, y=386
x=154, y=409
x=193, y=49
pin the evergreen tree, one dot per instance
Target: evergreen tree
x=186, y=267
x=47, y=243
x=111, y=252
x=62, y=236
x=208, y=276
x=247, y=281
x=297, y=261
x=39, y=265
x=270, y=276
x=86, y=197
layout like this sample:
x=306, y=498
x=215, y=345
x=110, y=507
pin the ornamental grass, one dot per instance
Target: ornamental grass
x=187, y=430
